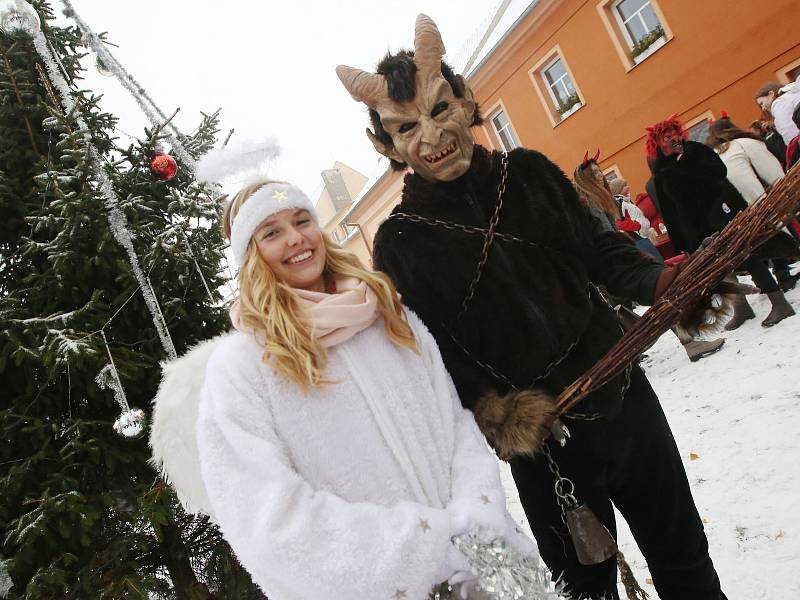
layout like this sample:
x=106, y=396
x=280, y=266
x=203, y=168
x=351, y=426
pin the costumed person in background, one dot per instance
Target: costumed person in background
x=752, y=169
x=780, y=101
x=596, y=191
x=335, y=455
x=495, y=252
x=690, y=186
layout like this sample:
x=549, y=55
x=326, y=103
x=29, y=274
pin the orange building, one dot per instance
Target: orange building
x=574, y=75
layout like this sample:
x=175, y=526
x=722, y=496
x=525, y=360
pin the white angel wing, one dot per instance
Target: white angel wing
x=173, y=436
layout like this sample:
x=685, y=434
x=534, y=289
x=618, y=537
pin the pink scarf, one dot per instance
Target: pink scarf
x=332, y=318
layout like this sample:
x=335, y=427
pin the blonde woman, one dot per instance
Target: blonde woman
x=334, y=452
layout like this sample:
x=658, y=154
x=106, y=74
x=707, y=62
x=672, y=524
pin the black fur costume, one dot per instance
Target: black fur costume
x=694, y=195
x=533, y=302
x=533, y=312
x=696, y=199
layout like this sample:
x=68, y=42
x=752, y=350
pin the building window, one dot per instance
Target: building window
x=343, y=232
x=612, y=173
x=505, y=132
x=556, y=86
x=640, y=26
x=637, y=28
x=562, y=90
x=790, y=72
x=698, y=127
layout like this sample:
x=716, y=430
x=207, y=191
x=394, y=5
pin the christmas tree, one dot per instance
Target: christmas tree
x=82, y=513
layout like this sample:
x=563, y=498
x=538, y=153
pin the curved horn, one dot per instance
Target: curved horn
x=428, y=44
x=596, y=155
x=363, y=87
x=585, y=158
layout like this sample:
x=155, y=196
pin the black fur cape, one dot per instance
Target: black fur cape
x=696, y=199
x=694, y=195
x=533, y=306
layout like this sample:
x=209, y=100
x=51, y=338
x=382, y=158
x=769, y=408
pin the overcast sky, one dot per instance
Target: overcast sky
x=268, y=65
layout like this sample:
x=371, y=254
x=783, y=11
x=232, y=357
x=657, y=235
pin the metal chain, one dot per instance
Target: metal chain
x=563, y=487
x=498, y=375
x=487, y=242
x=629, y=369
x=504, y=237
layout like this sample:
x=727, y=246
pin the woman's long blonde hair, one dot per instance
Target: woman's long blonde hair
x=267, y=307
x=593, y=191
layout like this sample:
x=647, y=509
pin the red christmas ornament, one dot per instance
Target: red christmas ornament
x=163, y=166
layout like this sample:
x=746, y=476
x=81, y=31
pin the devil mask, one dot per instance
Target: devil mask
x=667, y=136
x=424, y=121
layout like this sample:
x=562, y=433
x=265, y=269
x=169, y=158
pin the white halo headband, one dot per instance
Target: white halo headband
x=268, y=200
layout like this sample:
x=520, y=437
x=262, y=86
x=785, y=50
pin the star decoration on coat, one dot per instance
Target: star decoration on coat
x=485, y=499
x=279, y=195
x=400, y=594
x=424, y=525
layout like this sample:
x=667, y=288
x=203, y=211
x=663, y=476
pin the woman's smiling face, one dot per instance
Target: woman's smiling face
x=291, y=244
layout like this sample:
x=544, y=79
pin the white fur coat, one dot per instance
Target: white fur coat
x=352, y=491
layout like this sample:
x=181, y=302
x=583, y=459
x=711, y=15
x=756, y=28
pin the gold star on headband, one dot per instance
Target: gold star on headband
x=279, y=195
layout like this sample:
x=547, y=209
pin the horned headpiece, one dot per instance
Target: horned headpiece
x=371, y=89
x=586, y=160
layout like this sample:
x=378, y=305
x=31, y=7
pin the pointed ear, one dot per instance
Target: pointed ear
x=383, y=148
x=468, y=100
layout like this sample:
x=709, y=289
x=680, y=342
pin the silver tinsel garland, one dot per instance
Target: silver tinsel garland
x=117, y=220
x=503, y=572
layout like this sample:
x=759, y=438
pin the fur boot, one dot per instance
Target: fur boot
x=780, y=309
x=742, y=311
x=516, y=423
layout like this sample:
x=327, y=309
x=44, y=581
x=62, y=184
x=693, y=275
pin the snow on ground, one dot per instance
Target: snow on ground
x=738, y=412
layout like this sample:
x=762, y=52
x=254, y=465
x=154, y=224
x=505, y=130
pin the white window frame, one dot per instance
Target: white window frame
x=704, y=116
x=508, y=128
x=783, y=73
x=612, y=170
x=623, y=22
x=542, y=87
x=560, y=80
x=343, y=232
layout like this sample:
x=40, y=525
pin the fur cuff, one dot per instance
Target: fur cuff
x=708, y=319
x=516, y=423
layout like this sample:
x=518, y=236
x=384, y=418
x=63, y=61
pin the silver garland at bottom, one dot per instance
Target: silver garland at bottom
x=504, y=573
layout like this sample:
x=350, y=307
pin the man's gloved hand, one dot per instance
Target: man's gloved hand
x=713, y=311
x=628, y=224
